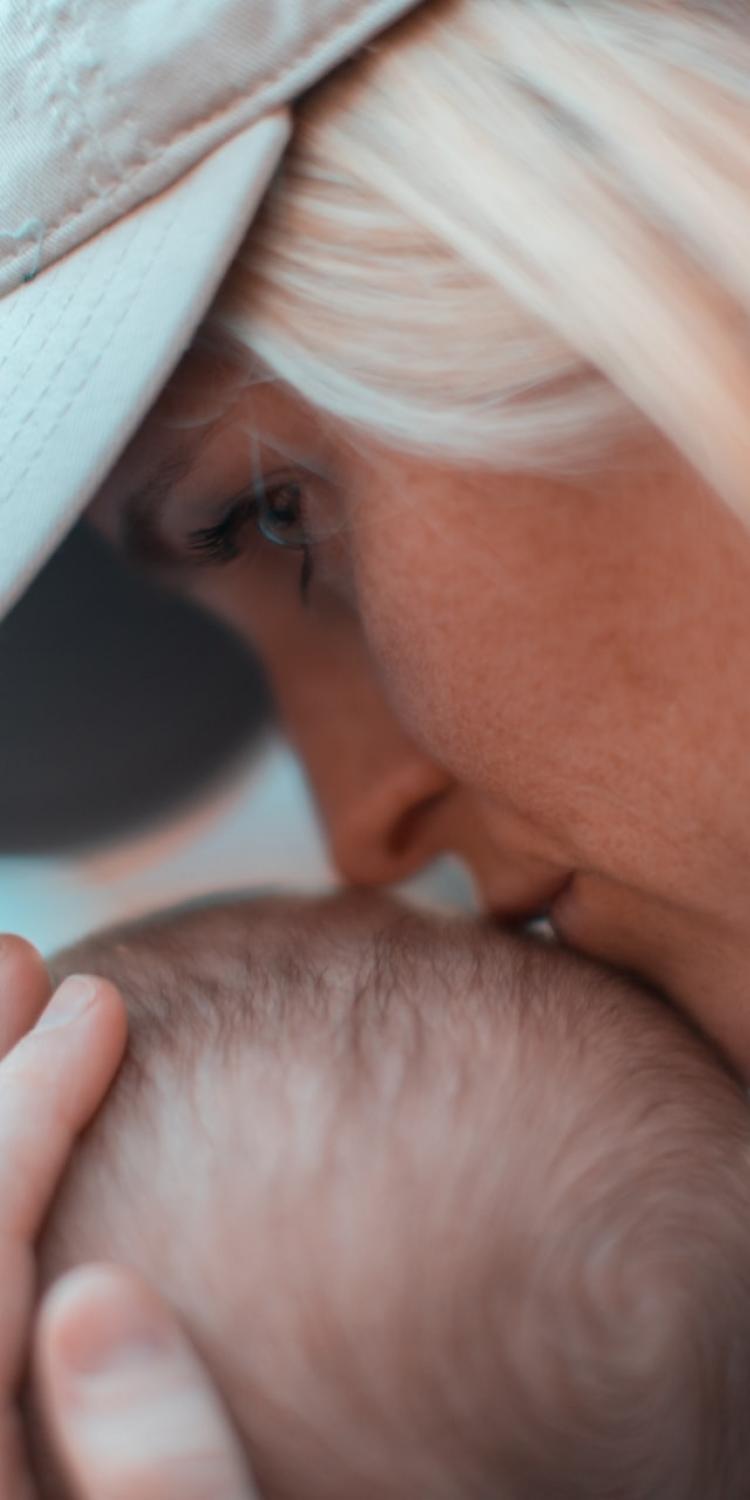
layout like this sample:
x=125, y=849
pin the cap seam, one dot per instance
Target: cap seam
x=161, y=148
x=93, y=308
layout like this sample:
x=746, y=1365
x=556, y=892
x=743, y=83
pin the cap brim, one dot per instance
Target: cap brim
x=86, y=347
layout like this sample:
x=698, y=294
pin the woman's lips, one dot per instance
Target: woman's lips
x=587, y=916
x=562, y=902
x=541, y=905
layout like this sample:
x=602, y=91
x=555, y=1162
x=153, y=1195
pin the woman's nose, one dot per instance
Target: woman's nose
x=381, y=799
x=385, y=826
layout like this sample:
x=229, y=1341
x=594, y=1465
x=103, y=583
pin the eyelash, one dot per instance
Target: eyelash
x=221, y=544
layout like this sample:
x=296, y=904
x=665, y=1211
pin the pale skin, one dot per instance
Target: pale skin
x=123, y=1390
x=549, y=679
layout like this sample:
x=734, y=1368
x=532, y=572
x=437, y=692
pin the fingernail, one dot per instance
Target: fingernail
x=108, y=1331
x=74, y=997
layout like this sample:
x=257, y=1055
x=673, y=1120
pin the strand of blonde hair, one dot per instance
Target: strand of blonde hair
x=516, y=234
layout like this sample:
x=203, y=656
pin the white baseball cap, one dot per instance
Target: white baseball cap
x=137, y=138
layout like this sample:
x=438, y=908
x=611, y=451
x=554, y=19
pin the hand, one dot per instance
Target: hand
x=132, y=1412
x=56, y=1060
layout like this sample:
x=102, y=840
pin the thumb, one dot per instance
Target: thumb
x=133, y=1414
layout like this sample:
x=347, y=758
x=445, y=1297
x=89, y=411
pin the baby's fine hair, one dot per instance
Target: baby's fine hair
x=514, y=233
x=463, y=1220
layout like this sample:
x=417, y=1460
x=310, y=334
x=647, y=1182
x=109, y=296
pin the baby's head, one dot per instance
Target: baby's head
x=450, y=1215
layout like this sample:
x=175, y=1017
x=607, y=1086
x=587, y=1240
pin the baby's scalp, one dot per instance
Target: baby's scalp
x=448, y=1213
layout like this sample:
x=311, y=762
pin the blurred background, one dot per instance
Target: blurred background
x=139, y=760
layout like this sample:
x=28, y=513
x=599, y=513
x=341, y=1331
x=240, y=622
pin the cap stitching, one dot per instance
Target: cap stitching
x=49, y=331
x=7, y=350
x=156, y=149
x=80, y=331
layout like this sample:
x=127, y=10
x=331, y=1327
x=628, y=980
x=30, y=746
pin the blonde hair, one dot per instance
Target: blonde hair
x=516, y=233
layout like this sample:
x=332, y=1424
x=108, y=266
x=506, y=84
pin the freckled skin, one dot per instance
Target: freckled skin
x=550, y=678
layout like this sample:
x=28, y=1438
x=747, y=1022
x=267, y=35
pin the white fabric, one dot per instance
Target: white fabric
x=137, y=138
x=87, y=345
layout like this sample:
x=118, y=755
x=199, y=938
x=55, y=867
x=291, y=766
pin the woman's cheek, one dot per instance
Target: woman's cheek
x=434, y=633
x=424, y=676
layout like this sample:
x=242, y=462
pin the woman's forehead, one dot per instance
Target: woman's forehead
x=205, y=397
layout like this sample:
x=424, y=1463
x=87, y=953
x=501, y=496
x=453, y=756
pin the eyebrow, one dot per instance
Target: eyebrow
x=141, y=537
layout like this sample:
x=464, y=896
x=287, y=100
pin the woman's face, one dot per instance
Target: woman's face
x=550, y=679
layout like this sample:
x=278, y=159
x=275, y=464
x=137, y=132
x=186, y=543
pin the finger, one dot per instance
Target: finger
x=132, y=1413
x=24, y=988
x=16, y=1482
x=50, y=1084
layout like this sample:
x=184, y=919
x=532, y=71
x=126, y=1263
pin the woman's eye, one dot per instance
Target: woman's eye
x=275, y=510
x=280, y=516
